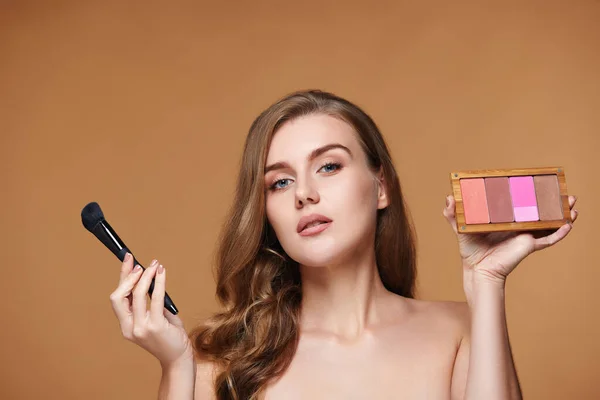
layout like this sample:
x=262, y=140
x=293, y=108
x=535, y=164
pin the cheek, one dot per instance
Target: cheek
x=355, y=195
x=276, y=214
x=357, y=211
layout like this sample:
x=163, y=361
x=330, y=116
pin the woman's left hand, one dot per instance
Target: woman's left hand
x=492, y=256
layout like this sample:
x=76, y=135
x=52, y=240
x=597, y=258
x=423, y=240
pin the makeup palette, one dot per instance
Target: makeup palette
x=524, y=199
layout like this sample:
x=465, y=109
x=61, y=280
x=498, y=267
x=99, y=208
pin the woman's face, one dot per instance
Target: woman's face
x=316, y=167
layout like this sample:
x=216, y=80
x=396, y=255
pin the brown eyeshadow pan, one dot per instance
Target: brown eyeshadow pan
x=548, y=197
x=499, y=199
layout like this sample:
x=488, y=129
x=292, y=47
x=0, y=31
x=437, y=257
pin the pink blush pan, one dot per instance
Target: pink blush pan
x=522, y=193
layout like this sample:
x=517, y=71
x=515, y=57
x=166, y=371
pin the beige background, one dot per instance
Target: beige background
x=144, y=106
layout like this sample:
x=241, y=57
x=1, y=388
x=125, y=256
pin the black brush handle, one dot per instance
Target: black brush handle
x=107, y=235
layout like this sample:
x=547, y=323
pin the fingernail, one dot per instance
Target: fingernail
x=161, y=269
x=137, y=268
x=127, y=255
x=154, y=262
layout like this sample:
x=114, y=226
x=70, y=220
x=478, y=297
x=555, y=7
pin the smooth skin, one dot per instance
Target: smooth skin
x=357, y=340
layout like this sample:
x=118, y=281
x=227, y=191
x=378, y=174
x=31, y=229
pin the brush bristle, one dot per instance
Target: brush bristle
x=91, y=215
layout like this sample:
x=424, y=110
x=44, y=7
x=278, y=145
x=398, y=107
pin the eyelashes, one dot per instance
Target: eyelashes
x=337, y=166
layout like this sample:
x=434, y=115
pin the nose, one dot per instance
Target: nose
x=306, y=194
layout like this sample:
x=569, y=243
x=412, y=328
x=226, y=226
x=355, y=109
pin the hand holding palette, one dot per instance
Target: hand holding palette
x=524, y=199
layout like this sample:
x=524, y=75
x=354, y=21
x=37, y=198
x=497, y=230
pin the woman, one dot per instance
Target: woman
x=316, y=272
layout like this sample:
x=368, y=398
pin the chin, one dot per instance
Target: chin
x=319, y=253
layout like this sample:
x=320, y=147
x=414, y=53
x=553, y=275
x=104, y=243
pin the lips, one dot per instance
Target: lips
x=309, y=221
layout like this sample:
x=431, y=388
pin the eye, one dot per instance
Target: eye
x=276, y=185
x=331, y=167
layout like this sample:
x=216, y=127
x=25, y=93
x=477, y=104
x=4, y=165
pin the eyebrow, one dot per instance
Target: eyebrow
x=313, y=154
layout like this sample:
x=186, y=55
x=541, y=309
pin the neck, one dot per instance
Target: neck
x=345, y=300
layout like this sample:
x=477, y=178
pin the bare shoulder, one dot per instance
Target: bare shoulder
x=454, y=315
x=452, y=321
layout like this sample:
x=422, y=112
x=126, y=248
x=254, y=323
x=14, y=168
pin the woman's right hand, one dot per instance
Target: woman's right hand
x=155, y=330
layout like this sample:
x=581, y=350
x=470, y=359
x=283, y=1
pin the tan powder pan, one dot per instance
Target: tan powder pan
x=525, y=199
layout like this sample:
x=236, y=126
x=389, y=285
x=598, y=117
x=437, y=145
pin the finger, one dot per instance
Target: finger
x=552, y=239
x=120, y=298
x=572, y=201
x=158, y=295
x=173, y=319
x=449, y=212
x=140, y=292
x=126, y=267
x=574, y=215
x=537, y=234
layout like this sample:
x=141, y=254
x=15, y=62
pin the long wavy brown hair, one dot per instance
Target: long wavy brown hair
x=253, y=340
